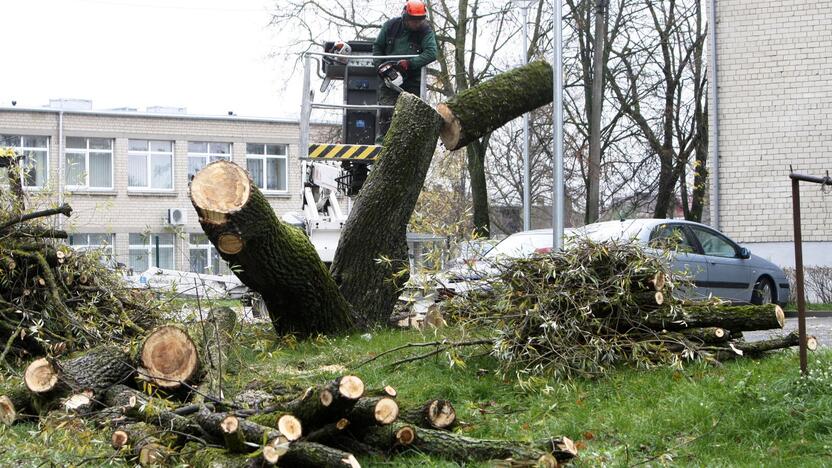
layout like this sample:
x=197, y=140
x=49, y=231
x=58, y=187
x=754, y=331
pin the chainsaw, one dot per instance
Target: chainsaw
x=392, y=76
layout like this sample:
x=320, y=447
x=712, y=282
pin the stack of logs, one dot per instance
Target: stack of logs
x=163, y=403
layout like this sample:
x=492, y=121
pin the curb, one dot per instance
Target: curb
x=810, y=313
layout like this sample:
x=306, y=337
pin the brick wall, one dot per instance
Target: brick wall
x=122, y=211
x=775, y=110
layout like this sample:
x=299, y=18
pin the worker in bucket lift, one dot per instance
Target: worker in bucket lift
x=409, y=34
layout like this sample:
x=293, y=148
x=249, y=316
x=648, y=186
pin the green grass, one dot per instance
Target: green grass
x=792, y=307
x=745, y=413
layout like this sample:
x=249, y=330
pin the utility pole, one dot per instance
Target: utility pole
x=557, y=130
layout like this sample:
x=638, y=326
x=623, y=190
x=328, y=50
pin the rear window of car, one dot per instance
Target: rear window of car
x=521, y=245
x=670, y=237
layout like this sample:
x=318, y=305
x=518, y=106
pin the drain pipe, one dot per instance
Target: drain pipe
x=714, y=117
x=60, y=164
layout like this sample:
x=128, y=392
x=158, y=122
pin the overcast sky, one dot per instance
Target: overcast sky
x=210, y=56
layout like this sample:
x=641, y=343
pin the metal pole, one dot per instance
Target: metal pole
x=305, y=107
x=527, y=171
x=714, y=117
x=557, y=166
x=423, y=85
x=798, y=267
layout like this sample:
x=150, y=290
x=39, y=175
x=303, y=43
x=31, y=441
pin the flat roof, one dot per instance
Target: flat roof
x=125, y=113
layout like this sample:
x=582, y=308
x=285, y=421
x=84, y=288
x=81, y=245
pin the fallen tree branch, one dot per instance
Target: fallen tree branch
x=64, y=209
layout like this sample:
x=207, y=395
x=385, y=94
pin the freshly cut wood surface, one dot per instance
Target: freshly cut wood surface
x=169, y=357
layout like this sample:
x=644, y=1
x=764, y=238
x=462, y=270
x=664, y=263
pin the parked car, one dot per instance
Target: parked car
x=719, y=266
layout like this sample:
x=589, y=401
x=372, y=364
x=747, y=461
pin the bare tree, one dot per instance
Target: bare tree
x=656, y=56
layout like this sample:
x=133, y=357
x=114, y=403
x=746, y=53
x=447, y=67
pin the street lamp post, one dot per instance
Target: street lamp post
x=527, y=171
x=557, y=132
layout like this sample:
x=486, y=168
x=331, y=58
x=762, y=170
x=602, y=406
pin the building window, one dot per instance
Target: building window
x=151, y=250
x=267, y=165
x=87, y=242
x=89, y=163
x=200, y=153
x=150, y=164
x=204, y=256
x=35, y=161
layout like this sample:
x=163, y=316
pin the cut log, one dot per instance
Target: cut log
x=758, y=348
x=15, y=404
x=168, y=357
x=136, y=405
x=328, y=431
x=374, y=411
x=434, y=414
x=143, y=442
x=318, y=406
x=389, y=437
x=732, y=318
x=314, y=455
x=466, y=449
x=93, y=370
x=707, y=335
x=271, y=257
x=244, y=433
x=483, y=108
x=372, y=253
x=211, y=457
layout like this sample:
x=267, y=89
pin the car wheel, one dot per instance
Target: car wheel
x=763, y=292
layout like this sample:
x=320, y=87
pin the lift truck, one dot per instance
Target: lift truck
x=334, y=173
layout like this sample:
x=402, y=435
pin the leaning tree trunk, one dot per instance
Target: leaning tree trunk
x=373, y=246
x=488, y=106
x=269, y=256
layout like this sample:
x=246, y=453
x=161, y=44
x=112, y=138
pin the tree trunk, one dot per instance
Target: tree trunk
x=199, y=456
x=373, y=411
x=222, y=425
x=269, y=256
x=481, y=109
x=732, y=318
x=475, y=152
x=14, y=404
x=597, y=103
x=371, y=261
x=757, y=348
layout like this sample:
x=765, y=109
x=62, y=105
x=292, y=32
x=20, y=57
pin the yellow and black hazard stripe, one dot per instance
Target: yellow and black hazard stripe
x=344, y=152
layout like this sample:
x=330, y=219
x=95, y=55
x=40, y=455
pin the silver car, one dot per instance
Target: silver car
x=718, y=266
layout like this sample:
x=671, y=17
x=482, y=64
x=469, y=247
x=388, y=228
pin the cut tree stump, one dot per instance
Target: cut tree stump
x=269, y=256
x=483, y=108
x=433, y=414
x=168, y=357
x=372, y=253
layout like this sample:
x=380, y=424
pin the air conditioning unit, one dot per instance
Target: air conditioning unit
x=177, y=216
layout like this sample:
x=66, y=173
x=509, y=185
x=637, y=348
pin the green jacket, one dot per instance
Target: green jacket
x=406, y=42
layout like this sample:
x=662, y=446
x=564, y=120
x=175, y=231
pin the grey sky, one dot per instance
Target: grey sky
x=210, y=56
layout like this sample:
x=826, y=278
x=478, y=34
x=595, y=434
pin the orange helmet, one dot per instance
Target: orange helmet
x=415, y=9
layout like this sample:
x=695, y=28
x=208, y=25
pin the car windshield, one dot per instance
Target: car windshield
x=521, y=245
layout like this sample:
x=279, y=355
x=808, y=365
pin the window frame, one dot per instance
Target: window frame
x=263, y=158
x=19, y=150
x=210, y=250
x=107, y=248
x=208, y=157
x=147, y=247
x=148, y=154
x=87, y=151
x=716, y=234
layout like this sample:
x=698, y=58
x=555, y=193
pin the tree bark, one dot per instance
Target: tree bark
x=732, y=318
x=758, y=348
x=269, y=256
x=481, y=109
x=314, y=455
x=371, y=261
x=373, y=411
x=434, y=414
x=593, y=196
x=96, y=370
x=475, y=151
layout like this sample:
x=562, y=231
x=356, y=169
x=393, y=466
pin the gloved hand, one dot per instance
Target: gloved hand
x=403, y=65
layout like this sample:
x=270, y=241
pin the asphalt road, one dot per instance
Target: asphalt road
x=819, y=327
